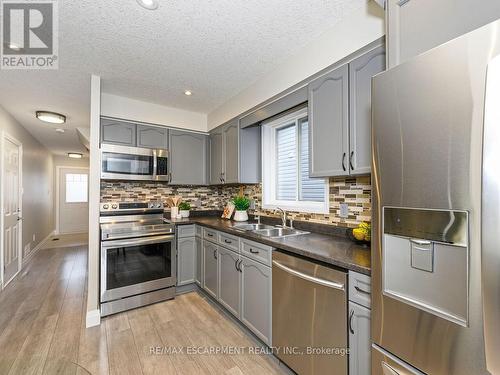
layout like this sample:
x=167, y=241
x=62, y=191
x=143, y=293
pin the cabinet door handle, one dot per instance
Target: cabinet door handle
x=210, y=235
x=236, y=265
x=359, y=290
x=351, y=315
x=350, y=160
x=239, y=265
x=343, y=162
x=215, y=253
x=254, y=251
x=227, y=241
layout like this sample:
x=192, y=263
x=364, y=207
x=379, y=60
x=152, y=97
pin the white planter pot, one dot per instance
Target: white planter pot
x=240, y=216
x=184, y=213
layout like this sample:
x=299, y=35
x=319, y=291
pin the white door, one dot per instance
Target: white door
x=73, y=207
x=11, y=209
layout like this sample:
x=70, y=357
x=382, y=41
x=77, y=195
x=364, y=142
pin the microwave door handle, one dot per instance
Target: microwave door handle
x=155, y=164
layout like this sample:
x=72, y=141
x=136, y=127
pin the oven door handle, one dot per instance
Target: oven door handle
x=137, y=241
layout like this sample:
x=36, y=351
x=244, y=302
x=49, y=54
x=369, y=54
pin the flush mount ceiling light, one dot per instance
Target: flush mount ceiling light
x=75, y=155
x=188, y=93
x=50, y=117
x=148, y=4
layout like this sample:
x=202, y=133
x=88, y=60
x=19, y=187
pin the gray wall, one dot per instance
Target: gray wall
x=38, y=177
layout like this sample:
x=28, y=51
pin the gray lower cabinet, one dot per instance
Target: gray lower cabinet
x=256, y=287
x=361, y=72
x=186, y=260
x=152, y=137
x=199, y=261
x=416, y=26
x=229, y=280
x=329, y=124
x=187, y=158
x=118, y=132
x=216, y=157
x=230, y=136
x=210, y=269
x=359, y=340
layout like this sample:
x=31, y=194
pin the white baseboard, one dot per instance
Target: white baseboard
x=93, y=318
x=36, y=248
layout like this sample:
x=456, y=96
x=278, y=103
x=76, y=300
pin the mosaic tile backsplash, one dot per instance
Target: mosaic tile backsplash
x=355, y=191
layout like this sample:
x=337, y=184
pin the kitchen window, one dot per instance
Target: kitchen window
x=285, y=166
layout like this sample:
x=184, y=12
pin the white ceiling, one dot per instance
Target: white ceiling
x=214, y=48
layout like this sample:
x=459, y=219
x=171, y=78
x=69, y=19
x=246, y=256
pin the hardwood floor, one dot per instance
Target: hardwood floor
x=42, y=329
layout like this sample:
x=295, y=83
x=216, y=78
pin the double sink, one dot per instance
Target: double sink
x=269, y=230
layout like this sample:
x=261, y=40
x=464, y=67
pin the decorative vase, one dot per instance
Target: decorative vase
x=184, y=213
x=240, y=216
x=174, y=212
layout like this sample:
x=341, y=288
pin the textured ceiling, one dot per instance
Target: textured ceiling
x=214, y=48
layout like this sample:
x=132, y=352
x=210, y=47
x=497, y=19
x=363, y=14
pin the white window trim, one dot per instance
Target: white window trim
x=269, y=170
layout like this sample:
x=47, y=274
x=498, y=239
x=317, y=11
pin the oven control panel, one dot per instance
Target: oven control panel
x=130, y=206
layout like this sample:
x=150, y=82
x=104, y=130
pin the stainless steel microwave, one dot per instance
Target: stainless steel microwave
x=133, y=163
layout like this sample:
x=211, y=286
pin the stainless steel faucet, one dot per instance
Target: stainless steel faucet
x=283, y=216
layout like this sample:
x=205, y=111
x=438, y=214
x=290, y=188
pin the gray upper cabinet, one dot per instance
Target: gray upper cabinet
x=329, y=124
x=230, y=136
x=118, y=132
x=256, y=286
x=229, y=280
x=216, y=156
x=361, y=72
x=152, y=137
x=188, y=158
x=416, y=26
x=235, y=154
x=210, y=269
x=359, y=340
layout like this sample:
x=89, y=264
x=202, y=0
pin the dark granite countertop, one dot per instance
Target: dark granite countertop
x=335, y=250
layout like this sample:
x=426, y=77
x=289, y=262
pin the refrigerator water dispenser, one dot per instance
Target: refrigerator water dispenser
x=425, y=260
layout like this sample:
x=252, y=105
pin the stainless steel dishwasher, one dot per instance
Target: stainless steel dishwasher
x=309, y=316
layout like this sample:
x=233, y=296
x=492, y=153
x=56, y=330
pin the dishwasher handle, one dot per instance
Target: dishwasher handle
x=313, y=279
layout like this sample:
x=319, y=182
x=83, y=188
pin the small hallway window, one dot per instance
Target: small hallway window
x=76, y=188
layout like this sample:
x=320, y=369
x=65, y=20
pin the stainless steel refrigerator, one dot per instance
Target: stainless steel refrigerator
x=436, y=222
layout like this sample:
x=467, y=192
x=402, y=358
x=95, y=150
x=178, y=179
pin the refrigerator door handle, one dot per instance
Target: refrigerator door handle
x=490, y=251
x=388, y=370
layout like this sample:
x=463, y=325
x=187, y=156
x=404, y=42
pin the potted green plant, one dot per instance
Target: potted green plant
x=241, y=205
x=184, y=208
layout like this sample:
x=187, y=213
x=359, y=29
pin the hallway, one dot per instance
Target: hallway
x=42, y=329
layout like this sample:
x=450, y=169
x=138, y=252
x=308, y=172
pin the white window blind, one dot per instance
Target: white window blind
x=286, y=163
x=311, y=189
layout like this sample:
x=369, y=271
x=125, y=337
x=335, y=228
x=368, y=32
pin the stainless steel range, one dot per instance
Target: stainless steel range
x=137, y=256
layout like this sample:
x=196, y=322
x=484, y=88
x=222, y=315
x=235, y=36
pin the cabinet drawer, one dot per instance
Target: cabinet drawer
x=257, y=251
x=185, y=231
x=198, y=231
x=360, y=289
x=229, y=241
x=210, y=234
